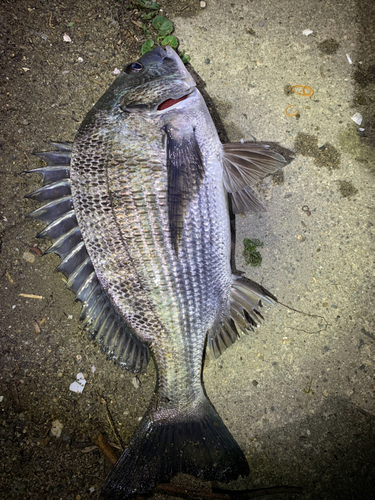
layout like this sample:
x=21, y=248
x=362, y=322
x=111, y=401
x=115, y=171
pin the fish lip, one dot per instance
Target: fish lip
x=185, y=95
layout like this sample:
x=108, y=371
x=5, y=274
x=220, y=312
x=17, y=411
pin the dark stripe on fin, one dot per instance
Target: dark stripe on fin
x=53, y=210
x=61, y=157
x=61, y=225
x=245, y=300
x=52, y=174
x=100, y=317
x=53, y=191
x=196, y=443
x=185, y=174
x=64, y=244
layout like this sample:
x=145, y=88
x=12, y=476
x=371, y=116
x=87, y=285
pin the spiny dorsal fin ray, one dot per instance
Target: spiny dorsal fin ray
x=185, y=174
x=61, y=157
x=245, y=164
x=62, y=146
x=59, y=226
x=52, y=174
x=244, y=315
x=50, y=192
x=53, y=210
x=100, y=317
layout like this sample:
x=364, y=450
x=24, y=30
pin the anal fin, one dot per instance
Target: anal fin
x=245, y=301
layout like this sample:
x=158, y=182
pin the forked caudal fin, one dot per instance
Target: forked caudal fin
x=196, y=443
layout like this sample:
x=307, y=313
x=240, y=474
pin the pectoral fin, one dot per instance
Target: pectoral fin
x=185, y=175
x=245, y=164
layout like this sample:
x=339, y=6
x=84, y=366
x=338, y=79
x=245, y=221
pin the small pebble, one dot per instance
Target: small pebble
x=136, y=382
x=29, y=257
x=203, y=5
x=357, y=118
x=79, y=385
x=56, y=428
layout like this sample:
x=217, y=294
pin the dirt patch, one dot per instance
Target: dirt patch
x=48, y=85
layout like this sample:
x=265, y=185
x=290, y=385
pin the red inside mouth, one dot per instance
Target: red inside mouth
x=169, y=102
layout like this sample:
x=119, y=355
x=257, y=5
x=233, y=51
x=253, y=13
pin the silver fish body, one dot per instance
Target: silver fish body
x=171, y=298
x=148, y=218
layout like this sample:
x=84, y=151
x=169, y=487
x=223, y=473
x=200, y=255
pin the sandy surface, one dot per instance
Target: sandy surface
x=299, y=395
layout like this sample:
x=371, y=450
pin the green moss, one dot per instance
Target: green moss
x=250, y=253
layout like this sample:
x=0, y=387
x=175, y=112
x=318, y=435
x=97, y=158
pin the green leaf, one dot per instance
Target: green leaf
x=145, y=30
x=251, y=254
x=185, y=58
x=71, y=24
x=166, y=28
x=147, y=4
x=170, y=40
x=147, y=17
x=158, y=21
x=147, y=46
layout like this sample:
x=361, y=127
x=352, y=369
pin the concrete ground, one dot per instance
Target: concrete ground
x=299, y=395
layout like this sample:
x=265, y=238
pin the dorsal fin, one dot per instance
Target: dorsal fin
x=99, y=316
x=245, y=164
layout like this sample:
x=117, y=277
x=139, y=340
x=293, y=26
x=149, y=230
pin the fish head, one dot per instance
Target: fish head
x=155, y=82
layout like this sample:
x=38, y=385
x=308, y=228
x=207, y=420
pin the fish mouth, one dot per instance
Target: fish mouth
x=171, y=102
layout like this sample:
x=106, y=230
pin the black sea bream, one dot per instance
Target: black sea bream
x=138, y=212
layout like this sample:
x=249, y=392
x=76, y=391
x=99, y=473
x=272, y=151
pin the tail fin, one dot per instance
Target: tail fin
x=197, y=443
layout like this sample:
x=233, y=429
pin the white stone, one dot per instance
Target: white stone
x=357, y=118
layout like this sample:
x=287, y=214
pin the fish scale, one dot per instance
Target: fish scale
x=138, y=212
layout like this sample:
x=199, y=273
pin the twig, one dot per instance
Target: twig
x=306, y=314
x=31, y=296
x=111, y=423
x=107, y=450
x=50, y=21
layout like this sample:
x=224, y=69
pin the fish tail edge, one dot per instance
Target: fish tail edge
x=196, y=443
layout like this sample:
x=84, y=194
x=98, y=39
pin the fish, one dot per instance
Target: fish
x=138, y=209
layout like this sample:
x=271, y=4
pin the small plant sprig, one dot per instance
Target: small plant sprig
x=157, y=28
x=250, y=253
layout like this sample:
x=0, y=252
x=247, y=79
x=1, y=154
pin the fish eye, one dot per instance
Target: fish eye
x=134, y=67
